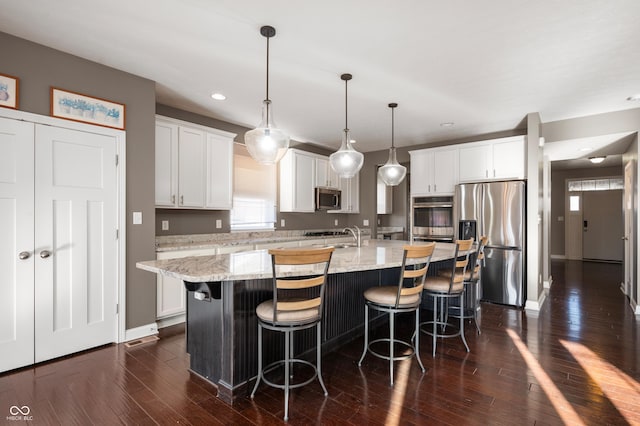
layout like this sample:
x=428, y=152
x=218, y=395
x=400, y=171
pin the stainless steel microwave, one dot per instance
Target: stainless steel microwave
x=328, y=199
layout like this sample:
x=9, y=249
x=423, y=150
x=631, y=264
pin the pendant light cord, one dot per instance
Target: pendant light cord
x=268, y=100
x=346, y=115
x=392, y=128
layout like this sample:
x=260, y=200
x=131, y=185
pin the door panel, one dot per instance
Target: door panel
x=76, y=285
x=503, y=277
x=16, y=231
x=602, y=237
x=503, y=213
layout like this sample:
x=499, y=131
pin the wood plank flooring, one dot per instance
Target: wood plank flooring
x=577, y=363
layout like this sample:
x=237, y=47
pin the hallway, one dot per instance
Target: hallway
x=576, y=364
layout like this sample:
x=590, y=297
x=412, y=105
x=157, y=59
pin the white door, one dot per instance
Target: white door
x=573, y=228
x=603, y=226
x=75, y=241
x=16, y=241
x=629, y=247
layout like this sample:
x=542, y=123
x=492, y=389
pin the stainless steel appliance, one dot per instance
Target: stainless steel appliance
x=328, y=198
x=499, y=211
x=432, y=219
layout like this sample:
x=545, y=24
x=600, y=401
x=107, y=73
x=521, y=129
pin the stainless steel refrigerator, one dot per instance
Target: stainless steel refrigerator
x=499, y=211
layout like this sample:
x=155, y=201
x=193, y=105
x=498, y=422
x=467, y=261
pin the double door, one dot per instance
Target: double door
x=58, y=251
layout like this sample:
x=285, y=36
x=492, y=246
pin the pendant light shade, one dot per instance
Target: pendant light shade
x=266, y=143
x=392, y=173
x=346, y=161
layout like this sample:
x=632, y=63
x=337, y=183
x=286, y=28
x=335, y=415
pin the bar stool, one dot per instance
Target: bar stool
x=443, y=288
x=471, y=286
x=402, y=297
x=286, y=314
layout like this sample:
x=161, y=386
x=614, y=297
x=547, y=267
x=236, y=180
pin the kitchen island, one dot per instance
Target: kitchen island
x=223, y=291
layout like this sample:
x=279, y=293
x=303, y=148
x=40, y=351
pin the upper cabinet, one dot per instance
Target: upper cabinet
x=325, y=176
x=434, y=171
x=297, y=181
x=493, y=159
x=194, y=166
x=301, y=172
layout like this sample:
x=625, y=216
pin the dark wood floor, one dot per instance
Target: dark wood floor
x=577, y=363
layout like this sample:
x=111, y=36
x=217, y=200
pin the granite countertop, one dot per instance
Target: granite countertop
x=212, y=241
x=256, y=264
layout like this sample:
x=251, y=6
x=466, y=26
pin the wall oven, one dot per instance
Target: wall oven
x=432, y=219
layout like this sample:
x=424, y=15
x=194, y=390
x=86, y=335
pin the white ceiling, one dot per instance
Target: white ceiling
x=480, y=64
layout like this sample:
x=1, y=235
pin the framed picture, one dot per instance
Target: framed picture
x=8, y=91
x=86, y=109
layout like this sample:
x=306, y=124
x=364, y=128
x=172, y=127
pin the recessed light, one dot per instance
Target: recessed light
x=447, y=124
x=586, y=149
x=597, y=160
x=218, y=96
x=635, y=97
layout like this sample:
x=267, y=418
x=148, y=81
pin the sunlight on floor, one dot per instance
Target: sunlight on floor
x=399, y=389
x=621, y=390
x=562, y=406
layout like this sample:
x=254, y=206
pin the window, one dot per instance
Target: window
x=574, y=203
x=254, y=192
x=604, y=184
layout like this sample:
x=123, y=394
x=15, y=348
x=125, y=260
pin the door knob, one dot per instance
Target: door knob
x=45, y=253
x=23, y=255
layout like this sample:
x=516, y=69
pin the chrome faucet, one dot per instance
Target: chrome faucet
x=356, y=234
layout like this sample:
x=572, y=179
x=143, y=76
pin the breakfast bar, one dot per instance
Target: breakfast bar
x=223, y=291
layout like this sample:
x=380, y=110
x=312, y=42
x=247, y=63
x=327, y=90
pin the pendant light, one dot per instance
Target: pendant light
x=392, y=173
x=267, y=144
x=346, y=161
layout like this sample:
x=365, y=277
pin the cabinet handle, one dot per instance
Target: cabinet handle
x=173, y=199
x=23, y=255
x=45, y=253
x=181, y=199
x=429, y=188
x=486, y=173
x=435, y=188
x=494, y=172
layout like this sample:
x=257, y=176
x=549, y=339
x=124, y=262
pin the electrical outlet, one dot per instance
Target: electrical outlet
x=335, y=222
x=165, y=225
x=365, y=222
x=218, y=223
x=281, y=223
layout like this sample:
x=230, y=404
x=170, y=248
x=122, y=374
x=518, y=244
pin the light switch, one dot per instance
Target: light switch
x=335, y=222
x=137, y=218
x=282, y=223
x=165, y=225
x=365, y=222
x=218, y=223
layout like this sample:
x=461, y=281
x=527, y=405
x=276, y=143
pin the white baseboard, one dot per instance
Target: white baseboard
x=140, y=332
x=169, y=321
x=547, y=283
x=558, y=256
x=533, y=308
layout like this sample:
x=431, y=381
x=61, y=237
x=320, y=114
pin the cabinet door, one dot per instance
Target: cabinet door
x=166, y=164
x=421, y=172
x=16, y=228
x=303, y=181
x=474, y=162
x=219, y=186
x=350, y=195
x=445, y=171
x=191, y=162
x=508, y=158
x=384, y=197
x=322, y=172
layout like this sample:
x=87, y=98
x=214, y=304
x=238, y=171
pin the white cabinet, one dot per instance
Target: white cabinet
x=194, y=166
x=350, y=188
x=493, y=159
x=434, y=171
x=59, y=254
x=297, y=181
x=325, y=175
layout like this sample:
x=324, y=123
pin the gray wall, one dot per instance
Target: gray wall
x=39, y=68
x=558, y=179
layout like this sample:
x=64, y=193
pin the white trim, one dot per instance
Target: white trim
x=546, y=284
x=533, y=308
x=169, y=321
x=225, y=135
x=140, y=332
x=120, y=137
x=558, y=256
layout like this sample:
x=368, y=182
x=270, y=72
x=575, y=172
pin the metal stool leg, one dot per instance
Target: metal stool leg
x=417, y=339
x=391, y=327
x=476, y=305
x=462, y=321
x=286, y=375
x=255, y=388
x=366, y=334
x=319, y=358
x=435, y=323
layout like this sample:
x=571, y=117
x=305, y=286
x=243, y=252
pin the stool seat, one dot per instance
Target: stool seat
x=264, y=311
x=386, y=296
x=442, y=284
